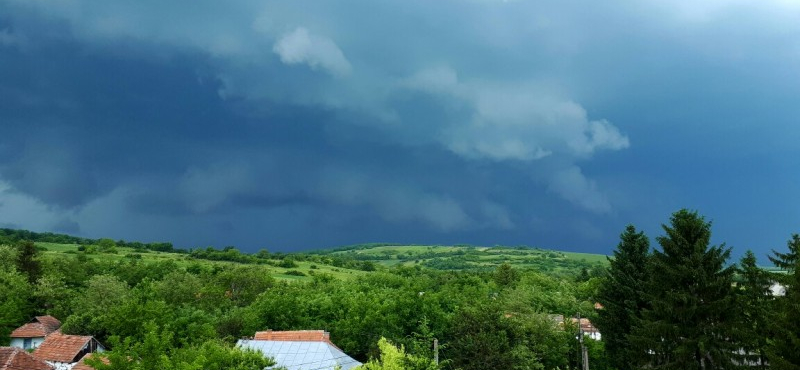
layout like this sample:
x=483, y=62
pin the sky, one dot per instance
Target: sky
x=295, y=125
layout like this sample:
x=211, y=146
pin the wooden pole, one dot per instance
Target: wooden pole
x=436, y=351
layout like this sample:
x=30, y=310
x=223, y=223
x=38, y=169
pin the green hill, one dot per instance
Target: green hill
x=466, y=257
x=342, y=262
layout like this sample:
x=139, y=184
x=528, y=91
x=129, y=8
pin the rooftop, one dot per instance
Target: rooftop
x=40, y=326
x=294, y=336
x=300, y=350
x=12, y=358
x=59, y=347
x=81, y=365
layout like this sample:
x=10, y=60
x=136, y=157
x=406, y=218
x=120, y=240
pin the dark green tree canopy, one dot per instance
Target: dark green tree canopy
x=622, y=295
x=689, y=323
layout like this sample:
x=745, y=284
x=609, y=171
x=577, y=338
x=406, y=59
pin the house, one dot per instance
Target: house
x=13, y=358
x=64, y=351
x=32, y=334
x=300, y=350
x=81, y=365
x=777, y=289
x=584, y=326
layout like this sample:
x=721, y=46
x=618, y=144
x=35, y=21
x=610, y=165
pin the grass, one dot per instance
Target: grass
x=472, y=257
x=431, y=256
x=122, y=254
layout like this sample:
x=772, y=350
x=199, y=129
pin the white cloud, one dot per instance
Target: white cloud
x=301, y=47
x=516, y=121
x=440, y=79
x=572, y=185
x=598, y=135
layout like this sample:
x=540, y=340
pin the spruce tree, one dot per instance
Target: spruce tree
x=28, y=261
x=783, y=353
x=787, y=261
x=753, y=302
x=689, y=323
x=622, y=295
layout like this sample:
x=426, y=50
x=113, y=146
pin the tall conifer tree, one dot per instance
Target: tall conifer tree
x=688, y=326
x=28, y=261
x=753, y=301
x=622, y=295
x=783, y=353
x=788, y=260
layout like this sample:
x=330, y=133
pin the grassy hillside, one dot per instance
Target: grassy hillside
x=348, y=262
x=465, y=257
x=123, y=254
x=342, y=263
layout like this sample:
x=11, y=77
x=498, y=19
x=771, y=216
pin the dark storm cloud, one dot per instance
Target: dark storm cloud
x=307, y=124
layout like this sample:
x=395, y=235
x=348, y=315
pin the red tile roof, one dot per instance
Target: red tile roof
x=59, y=347
x=19, y=359
x=294, y=336
x=40, y=326
x=81, y=365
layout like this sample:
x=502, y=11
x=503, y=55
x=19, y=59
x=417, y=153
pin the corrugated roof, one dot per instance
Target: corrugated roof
x=59, y=347
x=18, y=359
x=302, y=355
x=40, y=326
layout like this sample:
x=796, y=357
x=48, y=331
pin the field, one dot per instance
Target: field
x=128, y=254
x=352, y=261
x=470, y=257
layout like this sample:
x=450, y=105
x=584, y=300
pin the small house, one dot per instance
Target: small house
x=64, y=351
x=82, y=365
x=32, y=334
x=584, y=326
x=13, y=358
x=300, y=350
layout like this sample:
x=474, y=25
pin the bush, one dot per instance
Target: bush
x=288, y=263
x=295, y=273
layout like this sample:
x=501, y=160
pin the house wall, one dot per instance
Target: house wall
x=20, y=342
x=61, y=365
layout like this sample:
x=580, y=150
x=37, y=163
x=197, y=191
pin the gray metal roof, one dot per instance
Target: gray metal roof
x=302, y=355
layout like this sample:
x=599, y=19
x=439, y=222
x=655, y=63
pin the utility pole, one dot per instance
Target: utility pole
x=584, y=352
x=436, y=351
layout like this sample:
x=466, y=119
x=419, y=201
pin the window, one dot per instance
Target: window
x=26, y=344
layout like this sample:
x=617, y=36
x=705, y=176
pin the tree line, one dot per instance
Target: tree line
x=684, y=306
x=160, y=314
x=680, y=305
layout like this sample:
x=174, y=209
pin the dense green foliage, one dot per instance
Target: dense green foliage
x=682, y=307
x=160, y=310
x=754, y=301
x=489, y=308
x=784, y=341
x=623, y=296
x=689, y=322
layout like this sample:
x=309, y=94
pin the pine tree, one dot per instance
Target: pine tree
x=689, y=323
x=28, y=261
x=788, y=260
x=753, y=302
x=783, y=347
x=622, y=295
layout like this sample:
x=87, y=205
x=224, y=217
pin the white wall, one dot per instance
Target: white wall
x=61, y=365
x=20, y=342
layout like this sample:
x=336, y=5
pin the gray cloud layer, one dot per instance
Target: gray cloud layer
x=308, y=124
